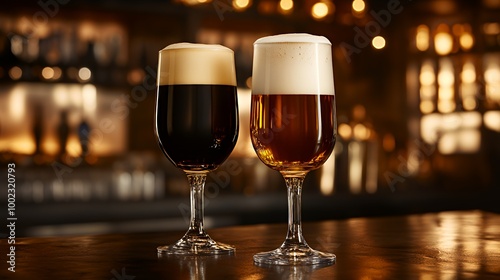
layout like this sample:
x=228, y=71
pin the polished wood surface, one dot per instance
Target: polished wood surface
x=447, y=245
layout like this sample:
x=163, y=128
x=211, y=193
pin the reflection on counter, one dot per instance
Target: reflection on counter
x=418, y=109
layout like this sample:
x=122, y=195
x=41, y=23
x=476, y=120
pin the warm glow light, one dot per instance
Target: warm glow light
x=446, y=80
x=16, y=45
x=73, y=147
x=244, y=148
x=446, y=93
x=355, y=155
x=468, y=74
x=241, y=4
x=89, y=99
x=469, y=140
x=388, y=142
x=17, y=103
x=429, y=127
x=361, y=132
x=84, y=74
x=248, y=82
x=492, y=78
x=378, y=42
x=345, y=131
x=50, y=145
x=492, y=74
x=451, y=121
x=358, y=6
x=371, y=183
x=57, y=73
x=491, y=28
x=15, y=73
x=466, y=41
x=135, y=76
x=427, y=92
x=446, y=106
x=427, y=76
x=286, y=5
x=446, y=76
x=422, y=37
x=443, y=43
x=75, y=95
x=426, y=106
x=60, y=96
x=492, y=120
x=471, y=119
x=327, y=180
x=47, y=73
x=448, y=143
x=319, y=10
x=469, y=103
x=22, y=145
x=456, y=132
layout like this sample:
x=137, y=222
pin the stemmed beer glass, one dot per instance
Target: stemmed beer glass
x=196, y=126
x=293, y=126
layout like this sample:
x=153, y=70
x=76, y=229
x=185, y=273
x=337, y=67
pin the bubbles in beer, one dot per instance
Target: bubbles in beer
x=196, y=64
x=293, y=64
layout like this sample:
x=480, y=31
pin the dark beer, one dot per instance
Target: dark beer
x=293, y=132
x=197, y=125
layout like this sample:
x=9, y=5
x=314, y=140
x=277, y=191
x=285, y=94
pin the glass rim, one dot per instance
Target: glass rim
x=293, y=38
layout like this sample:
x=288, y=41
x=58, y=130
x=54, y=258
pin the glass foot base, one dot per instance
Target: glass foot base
x=294, y=256
x=198, y=245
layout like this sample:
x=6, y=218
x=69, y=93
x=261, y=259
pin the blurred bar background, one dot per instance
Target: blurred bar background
x=418, y=105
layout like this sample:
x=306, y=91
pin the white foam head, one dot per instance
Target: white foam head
x=292, y=64
x=196, y=64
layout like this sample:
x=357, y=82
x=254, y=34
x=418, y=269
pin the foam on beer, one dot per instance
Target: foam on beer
x=196, y=64
x=292, y=64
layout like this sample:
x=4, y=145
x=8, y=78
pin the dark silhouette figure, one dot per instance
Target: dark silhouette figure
x=63, y=133
x=83, y=135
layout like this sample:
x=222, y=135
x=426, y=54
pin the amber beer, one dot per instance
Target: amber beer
x=297, y=131
x=293, y=104
x=293, y=126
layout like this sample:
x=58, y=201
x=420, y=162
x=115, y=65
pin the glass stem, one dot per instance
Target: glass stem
x=294, y=189
x=196, y=184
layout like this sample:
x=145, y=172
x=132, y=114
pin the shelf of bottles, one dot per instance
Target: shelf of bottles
x=453, y=87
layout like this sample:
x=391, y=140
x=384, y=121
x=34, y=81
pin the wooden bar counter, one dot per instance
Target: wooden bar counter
x=446, y=245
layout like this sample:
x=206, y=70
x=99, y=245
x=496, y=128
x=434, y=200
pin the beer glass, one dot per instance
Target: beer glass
x=196, y=126
x=293, y=126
